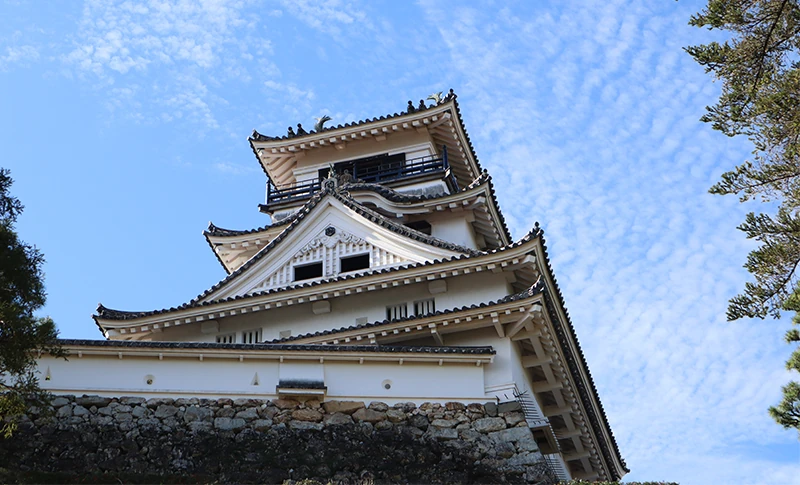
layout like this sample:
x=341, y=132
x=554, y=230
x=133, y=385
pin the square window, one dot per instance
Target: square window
x=307, y=271
x=354, y=263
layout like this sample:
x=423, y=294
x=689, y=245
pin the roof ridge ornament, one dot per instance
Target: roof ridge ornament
x=320, y=125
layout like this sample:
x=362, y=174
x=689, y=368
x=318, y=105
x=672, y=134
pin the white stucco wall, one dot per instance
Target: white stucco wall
x=299, y=319
x=216, y=377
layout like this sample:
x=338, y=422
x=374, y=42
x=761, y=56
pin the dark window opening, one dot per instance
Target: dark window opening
x=370, y=169
x=307, y=271
x=353, y=263
x=422, y=226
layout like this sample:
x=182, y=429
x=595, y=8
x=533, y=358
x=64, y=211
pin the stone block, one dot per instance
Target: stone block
x=286, y=403
x=262, y=424
x=89, y=401
x=307, y=415
x=527, y=444
x=246, y=402
x=249, y=413
x=505, y=449
x=507, y=407
x=80, y=411
x=228, y=424
x=140, y=412
x=369, y=416
x=225, y=412
x=523, y=459
x=155, y=402
x=511, y=434
x=441, y=433
x=383, y=425
x=64, y=411
x=513, y=418
x=132, y=400
x=59, y=402
x=378, y=406
x=305, y=425
x=444, y=423
x=419, y=421
x=490, y=408
x=200, y=427
x=123, y=417
x=475, y=408
x=395, y=415
x=347, y=407
x=165, y=411
x=337, y=419
x=197, y=414
x=454, y=406
x=406, y=407
x=487, y=425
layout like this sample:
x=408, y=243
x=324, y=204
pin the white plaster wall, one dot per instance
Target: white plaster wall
x=215, y=377
x=454, y=229
x=461, y=291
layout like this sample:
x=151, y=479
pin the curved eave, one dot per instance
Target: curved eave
x=581, y=375
x=195, y=311
x=284, y=149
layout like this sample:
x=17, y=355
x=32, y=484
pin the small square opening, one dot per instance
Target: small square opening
x=308, y=271
x=354, y=263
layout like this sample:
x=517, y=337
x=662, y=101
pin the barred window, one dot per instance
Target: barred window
x=228, y=338
x=395, y=312
x=424, y=307
x=251, y=336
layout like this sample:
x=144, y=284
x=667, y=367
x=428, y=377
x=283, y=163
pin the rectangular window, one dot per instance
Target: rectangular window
x=251, y=336
x=396, y=312
x=424, y=307
x=421, y=226
x=307, y=271
x=228, y=338
x=354, y=263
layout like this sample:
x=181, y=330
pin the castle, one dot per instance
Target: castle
x=387, y=274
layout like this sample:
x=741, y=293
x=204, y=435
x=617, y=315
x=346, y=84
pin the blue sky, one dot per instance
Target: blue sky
x=125, y=125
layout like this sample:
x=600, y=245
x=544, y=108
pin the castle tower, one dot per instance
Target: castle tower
x=387, y=272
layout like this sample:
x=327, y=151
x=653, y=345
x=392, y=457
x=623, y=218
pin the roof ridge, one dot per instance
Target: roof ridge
x=410, y=109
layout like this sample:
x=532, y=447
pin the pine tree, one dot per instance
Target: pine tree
x=759, y=67
x=22, y=335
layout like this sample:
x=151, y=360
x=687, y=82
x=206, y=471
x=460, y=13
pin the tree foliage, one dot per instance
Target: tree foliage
x=22, y=335
x=759, y=67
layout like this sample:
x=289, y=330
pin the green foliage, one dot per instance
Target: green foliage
x=21, y=334
x=759, y=67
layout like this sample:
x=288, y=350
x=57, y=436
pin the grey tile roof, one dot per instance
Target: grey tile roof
x=136, y=344
x=451, y=96
x=535, y=289
x=111, y=314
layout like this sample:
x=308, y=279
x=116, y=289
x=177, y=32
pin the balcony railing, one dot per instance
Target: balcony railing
x=375, y=173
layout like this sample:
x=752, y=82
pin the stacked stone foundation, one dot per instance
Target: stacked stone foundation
x=245, y=440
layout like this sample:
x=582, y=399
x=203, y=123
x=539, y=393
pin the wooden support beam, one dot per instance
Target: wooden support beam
x=543, y=386
x=576, y=455
x=533, y=361
x=519, y=325
x=556, y=410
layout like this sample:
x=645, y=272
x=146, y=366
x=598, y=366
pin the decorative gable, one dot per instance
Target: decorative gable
x=330, y=248
x=333, y=230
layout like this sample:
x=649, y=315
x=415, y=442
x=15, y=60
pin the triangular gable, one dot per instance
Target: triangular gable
x=334, y=228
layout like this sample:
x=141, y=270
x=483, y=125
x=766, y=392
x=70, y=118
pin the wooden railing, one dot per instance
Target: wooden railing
x=373, y=173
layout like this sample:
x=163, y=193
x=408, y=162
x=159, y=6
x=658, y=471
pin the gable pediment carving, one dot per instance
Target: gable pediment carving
x=328, y=248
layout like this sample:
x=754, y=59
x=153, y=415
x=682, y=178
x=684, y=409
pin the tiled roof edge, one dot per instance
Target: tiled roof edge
x=111, y=314
x=581, y=361
x=484, y=350
x=532, y=291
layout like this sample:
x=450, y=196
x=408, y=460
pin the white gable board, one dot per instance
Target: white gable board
x=328, y=233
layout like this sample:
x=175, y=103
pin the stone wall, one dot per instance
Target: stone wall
x=246, y=440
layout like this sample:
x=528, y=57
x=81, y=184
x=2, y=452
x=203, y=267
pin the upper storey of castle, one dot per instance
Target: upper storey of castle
x=423, y=150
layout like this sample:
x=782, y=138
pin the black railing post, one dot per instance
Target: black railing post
x=269, y=189
x=444, y=156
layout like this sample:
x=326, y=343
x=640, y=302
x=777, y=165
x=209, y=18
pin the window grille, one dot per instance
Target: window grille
x=251, y=337
x=424, y=307
x=395, y=312
x=228, y=338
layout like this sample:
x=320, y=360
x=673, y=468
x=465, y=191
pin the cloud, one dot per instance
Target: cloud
x=587, y=118
x=182, y=55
